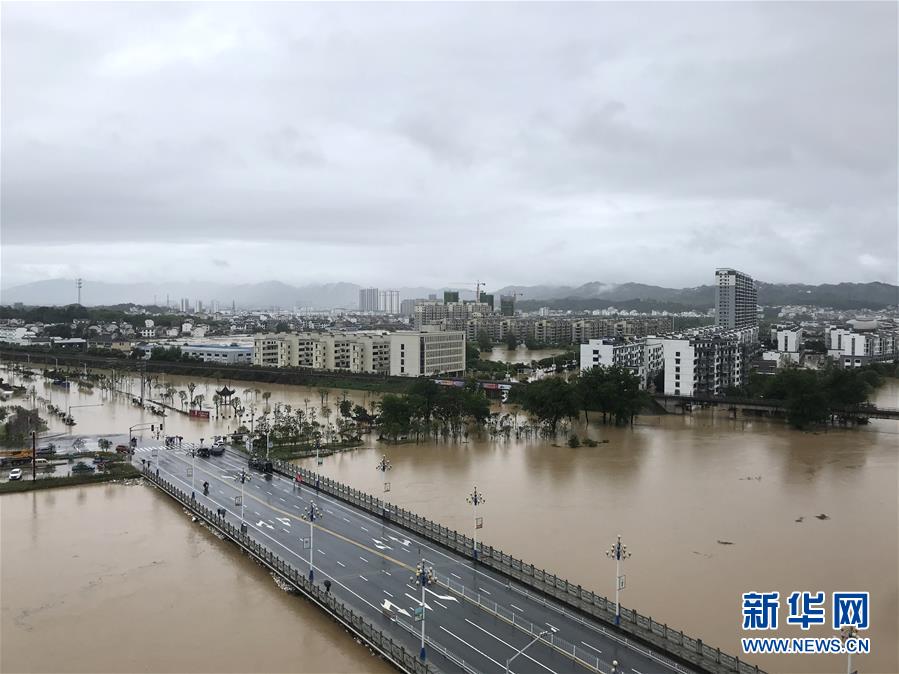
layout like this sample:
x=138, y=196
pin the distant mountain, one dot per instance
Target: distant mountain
x=263, y=295
x=594, y=295
x=839, y=296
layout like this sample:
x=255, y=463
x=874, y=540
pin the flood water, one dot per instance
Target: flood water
x=710, y=507
x=520, y=355
x=115, y=578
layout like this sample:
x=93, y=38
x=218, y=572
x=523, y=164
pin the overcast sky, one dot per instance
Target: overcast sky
x=432, y=144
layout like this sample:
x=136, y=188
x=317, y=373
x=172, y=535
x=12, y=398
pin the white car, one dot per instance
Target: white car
x=15, y=474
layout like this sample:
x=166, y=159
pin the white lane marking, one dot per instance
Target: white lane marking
x=480, y=589
x=554, y=629
x=363, y=528
x=221, y=492
x=286, y=531
x=411, y=587
x=388, y=605
x=387, y=572
x=635, y=671
x=516, y=608
x=471, y=647
x=363, y=559
x=258, y=513
x=387, y=593
x=321, y=552
x=509, y=645
x=442, y=596
x=263, y=523
x=284, y=520
x=345, y=519
x=440, y=605
x=455, y=576
x=269, y=493
x=591, y=647
x=418, y=601
x=342, y=564
x=364, y=578
x=283, y=499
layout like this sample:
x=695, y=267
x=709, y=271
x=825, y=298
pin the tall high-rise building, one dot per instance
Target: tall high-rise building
x=507, y=305
x=389, y=301
x=488, y=300
x=736, y=300
x=368, y=299
x=450, y=296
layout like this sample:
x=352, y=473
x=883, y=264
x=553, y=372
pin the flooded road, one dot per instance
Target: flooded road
x=710, y=506
x=114, y=578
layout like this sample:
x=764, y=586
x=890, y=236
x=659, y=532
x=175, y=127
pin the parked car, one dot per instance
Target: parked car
x=82, y=468
x=15, y=474
x=121, y=449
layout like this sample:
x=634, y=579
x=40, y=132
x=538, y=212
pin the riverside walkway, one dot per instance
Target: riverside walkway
x=476, y=617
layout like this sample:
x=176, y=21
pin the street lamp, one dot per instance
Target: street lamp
x=384, y=466
x=310, y=514
x=243, y=478
x=846, y=633
x=475, y=498
x=70, y=407
x=425, y=576
x=519, y=652
x=618, y=552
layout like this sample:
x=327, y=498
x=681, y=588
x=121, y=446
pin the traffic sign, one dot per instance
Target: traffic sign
x=621, y=581
x=190, y=471
x=479, y=523
x=237, y=501
x=419, y=613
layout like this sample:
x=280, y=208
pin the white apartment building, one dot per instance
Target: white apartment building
x=389, y=301
x=363, y=351
x=855, y=349
x=644, y=357
x=705, y=361
x=369, y=299
x=413, y=354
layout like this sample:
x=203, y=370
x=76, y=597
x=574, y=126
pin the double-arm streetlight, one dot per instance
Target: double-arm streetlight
x=618, y=551
x=310, y=514
x=530, y=643
x=475, y=498
x=424, y=575
x=243, y=477
x=384, y=466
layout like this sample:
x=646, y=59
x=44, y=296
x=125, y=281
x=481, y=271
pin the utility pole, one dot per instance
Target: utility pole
x=33, y=456
x=425, y=576
x=618, y=552
x=476, y=498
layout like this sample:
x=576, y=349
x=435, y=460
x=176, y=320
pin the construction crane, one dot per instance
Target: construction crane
x=477, y=287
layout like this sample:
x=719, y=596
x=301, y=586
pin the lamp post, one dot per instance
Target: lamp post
x=475, y=498
x=530, y=643
x=310, y=514
x=846, y=633
x=243, y=523
x=384, y=466
x=618, y=552
x=69, y=409
x=424, y=575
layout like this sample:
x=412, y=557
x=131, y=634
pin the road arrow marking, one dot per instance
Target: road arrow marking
x=390, y=606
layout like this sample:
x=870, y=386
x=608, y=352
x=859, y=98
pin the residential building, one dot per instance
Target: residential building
x=643, y=357
x=414, y=354
x=707, y=361
x=450, y=296
x=230, y=354
x=507, y=305
x=369, y=299
x=389, y=301
x=849, y=348
x=487, y=299
x=736, y=300
x=407, y=307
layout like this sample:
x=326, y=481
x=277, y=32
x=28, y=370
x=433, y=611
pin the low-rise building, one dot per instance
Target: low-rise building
x=643, y=356
x=229, y=354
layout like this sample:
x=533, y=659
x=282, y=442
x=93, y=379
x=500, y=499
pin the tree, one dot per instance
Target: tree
x=395, y=415
x=345, y=407
x=183, y=396
x=281, y=326
x=265, y=397
x=485, y=343
x=511, y=341
x=550, y=400
x=104, y=444
x=18, y=426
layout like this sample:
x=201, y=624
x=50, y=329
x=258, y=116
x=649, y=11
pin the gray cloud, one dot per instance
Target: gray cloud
x=404, y=144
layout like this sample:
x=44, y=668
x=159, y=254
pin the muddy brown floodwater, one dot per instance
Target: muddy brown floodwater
x=115, y=578
x=710, y=506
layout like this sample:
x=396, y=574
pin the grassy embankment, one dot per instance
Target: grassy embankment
x=116, y=470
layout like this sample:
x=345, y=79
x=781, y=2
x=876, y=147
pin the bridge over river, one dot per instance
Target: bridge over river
x=863, y=411
x=477, y=614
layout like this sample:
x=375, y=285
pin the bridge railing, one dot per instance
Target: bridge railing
x=657, y=638
x=383, y=643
